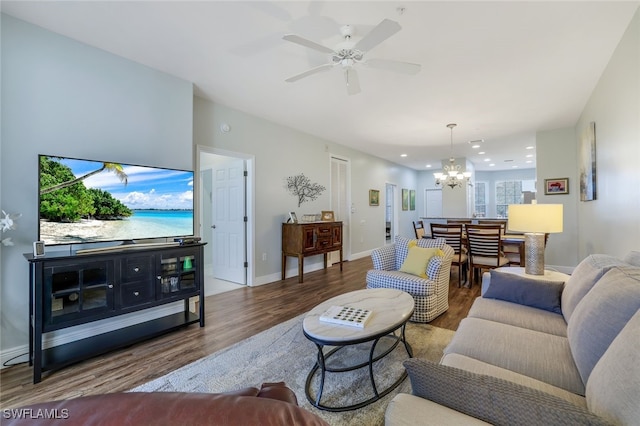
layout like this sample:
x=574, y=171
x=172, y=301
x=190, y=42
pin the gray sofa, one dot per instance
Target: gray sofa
x=518, y=359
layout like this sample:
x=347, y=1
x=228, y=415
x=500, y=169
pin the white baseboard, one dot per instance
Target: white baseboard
x=71, y=334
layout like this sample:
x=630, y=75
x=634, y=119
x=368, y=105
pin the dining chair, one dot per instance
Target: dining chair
x=484, y=248
x=502, y=223
x=418, y=228
x=452, y=233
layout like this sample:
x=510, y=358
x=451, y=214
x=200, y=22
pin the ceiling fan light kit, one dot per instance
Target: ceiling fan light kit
x=349, y=55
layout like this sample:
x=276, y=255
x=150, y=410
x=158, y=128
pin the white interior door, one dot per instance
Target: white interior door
x=340, y=204
x=228, y=219
x=433, y=202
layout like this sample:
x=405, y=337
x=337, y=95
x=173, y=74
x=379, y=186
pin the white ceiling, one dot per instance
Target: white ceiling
x=500, y=70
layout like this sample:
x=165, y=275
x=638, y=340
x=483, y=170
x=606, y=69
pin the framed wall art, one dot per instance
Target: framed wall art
x=374, y=197
x=587, y=159
x=405, y=199
x=556, y=186
x=412, y=199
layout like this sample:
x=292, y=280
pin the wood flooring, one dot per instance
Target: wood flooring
x=230, y=317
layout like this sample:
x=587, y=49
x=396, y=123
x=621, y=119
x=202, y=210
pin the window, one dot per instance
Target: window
x=507, y=192
x=480, y=208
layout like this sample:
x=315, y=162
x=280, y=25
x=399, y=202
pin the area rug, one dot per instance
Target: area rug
x=282, y=353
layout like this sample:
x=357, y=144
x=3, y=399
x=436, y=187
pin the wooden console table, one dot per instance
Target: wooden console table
x=310, y=239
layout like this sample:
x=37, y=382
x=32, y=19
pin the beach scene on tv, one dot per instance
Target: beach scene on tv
x=83, y=201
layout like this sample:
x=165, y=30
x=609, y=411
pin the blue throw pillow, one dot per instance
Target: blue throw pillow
x=537, y=293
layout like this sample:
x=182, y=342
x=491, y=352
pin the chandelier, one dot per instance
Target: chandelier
x=453, y=176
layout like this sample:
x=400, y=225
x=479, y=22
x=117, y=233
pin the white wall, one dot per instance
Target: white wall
x=556, y=158
x=611, y=224
x=61, y=97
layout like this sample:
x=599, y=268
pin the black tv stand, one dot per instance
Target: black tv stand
x=68, y=290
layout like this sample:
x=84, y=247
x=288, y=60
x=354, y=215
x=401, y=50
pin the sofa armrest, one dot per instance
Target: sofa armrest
x=493, y=400
x=384, y=258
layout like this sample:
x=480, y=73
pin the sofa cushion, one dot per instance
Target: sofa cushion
x=583, y=278
x=542, y=356
x=518, y=315
x=404, y=409
x=614, y=383
x=417, y=260
x=601, y=314
x=537, y=293
x=490, y=399
x=479, y=367
x=632, y=258
x=412, y=284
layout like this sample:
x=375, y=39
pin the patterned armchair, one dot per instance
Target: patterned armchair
x=431, y=294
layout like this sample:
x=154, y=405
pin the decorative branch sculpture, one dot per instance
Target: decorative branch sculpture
x=301, y=187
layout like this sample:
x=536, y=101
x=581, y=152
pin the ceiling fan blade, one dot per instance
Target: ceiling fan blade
x=396, y=66
x=351, y=79
x=380, y=33
x=307, y=73
x=307, y=43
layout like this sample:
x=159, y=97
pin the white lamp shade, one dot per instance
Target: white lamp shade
x=542, y=218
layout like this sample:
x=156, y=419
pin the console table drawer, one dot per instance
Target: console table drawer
x=136, y=268
x=137, y=294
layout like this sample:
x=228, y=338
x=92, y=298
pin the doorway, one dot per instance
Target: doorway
x=390, y=213
x=225, y=218
x=340, y=203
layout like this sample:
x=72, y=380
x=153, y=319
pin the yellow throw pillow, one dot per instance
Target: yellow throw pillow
x=418, y=259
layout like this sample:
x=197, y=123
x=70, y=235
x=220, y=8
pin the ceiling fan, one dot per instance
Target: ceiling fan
x=347, y=54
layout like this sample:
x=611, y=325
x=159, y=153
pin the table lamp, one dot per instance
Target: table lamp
x=535, y=220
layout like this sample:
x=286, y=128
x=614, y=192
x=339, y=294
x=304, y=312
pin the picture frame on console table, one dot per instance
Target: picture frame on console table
x=327, y=216
x=556, y=186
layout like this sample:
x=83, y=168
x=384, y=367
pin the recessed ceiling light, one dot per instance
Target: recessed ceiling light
x=481, y=153
x=475, y=146
x=428, y=165
x=529, y=155
x=530, y=147
x=514, y=167
x=487, y=159
x=403, y=155
x=528, y=161
x=491, y=165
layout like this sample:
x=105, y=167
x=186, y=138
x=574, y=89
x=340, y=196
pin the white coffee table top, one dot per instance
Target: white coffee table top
x=390, y=309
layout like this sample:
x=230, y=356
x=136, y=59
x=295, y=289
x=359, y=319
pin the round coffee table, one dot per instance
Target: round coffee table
x=391, y=309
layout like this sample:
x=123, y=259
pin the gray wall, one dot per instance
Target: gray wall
x=61, y=97
x=611, y=224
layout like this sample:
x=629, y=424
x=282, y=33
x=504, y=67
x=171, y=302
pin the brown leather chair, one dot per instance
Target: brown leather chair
x=453, y=235
x=484, y=247
x=272, y=404
x=418, y=228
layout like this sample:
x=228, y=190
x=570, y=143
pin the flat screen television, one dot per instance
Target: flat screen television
x=88, y=201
